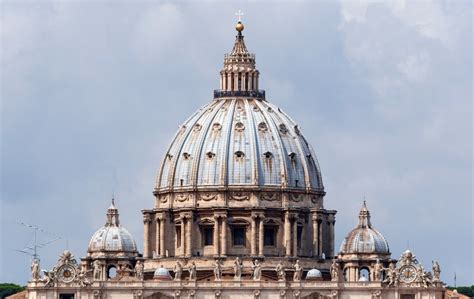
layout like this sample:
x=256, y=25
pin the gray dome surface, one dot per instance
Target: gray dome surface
x=112, y=237
x=239, y=142
x=364, y=238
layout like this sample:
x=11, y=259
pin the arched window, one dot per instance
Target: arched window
x=364, y=274
x=111, y=271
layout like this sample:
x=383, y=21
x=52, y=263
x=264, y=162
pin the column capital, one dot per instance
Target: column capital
x=146, y=218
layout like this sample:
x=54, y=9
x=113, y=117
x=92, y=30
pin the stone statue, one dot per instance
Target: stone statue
x=139, y=270
x=423, y=277
x=378, y=270
x=178, y=270
x=238, y=269
x=217, y=270
x=436, y=271
x=49, y=278
x=35, y=270
x=280, y=272
x=298, y=271
x=82, y=277
x=192, y=271
x=334, y=270
x=391, y=275
x=97, y=270
x=256, y=270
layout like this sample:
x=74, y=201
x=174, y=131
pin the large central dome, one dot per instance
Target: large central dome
x=239, y=179
x=239, y=143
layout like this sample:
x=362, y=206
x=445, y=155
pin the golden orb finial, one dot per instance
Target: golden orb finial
x=239, y=27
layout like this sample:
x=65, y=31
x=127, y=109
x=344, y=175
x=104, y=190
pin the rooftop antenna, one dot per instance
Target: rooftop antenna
x=455, y=285
x=32, y=250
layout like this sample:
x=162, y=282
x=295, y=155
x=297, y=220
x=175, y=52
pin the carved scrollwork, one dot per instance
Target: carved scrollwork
x=296, y=197
x=208, y=196
x=238, y=196
x=270, y=196
x=314, y=199
x=182, y=197
x=164, y=199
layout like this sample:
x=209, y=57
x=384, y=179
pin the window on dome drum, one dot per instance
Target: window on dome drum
x=66, y=296
x=299, y=234
x=269, y=236
x=178, y=236
x=238, y=236
x=207, y=236
x=111, y=271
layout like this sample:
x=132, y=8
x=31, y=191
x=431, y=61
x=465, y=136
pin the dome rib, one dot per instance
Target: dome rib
x=253, y=144
x=278, y=145
x=201, y=152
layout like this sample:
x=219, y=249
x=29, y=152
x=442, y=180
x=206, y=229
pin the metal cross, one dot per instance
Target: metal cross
x=239, y=14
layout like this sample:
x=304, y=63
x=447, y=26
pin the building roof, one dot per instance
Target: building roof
x=112, y=237
x=365, y=238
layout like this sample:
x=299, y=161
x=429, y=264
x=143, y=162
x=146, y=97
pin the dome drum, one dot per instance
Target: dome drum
x=237, y=199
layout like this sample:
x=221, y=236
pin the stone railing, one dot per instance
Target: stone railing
x=259, y=94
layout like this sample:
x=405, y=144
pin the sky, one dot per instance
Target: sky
x=93, y=91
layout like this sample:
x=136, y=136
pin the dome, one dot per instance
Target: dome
x=239, y=140
x=112, y=237
x=234, y=143
x=363, y=279
x=313, y=274
x=162, y=273
x=364, y=238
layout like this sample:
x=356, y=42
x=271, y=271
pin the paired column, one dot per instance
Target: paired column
x=146, y=235
x=188, y=248
x=182, y=236
x=253, y=241
x=216, y=235
x=332, y=222
x=287, y=234
x=295, y=237
x=260, y=236
x=224, y=235
x=162, y=236
x=314, y=218
x=157, y=235
x=320, y=236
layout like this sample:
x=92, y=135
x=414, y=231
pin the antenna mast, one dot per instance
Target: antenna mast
x=33, y=249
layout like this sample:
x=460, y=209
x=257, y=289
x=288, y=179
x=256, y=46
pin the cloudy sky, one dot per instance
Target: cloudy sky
x=93, y=91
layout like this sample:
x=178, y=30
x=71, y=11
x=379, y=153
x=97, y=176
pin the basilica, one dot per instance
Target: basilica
x=239, y=212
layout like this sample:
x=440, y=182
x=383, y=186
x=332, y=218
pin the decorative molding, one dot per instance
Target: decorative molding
x=296, y=197
x=182, y=197
x=238, y=196
x=270, y=196
x=208, y=196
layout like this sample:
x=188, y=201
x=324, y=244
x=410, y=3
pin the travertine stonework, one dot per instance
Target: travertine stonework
x=239, y=212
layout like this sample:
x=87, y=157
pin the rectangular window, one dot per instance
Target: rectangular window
x=208, y=236
x=239, y=236
x=178, y=236
x=407, y=296
x=299, y=233
x=269, y=236
x=66, y=296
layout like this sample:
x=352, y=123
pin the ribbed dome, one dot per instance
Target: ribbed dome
x=364, y=238
x=112, y=237
x=239, y=142
x=314, y=274
x=162, y=273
